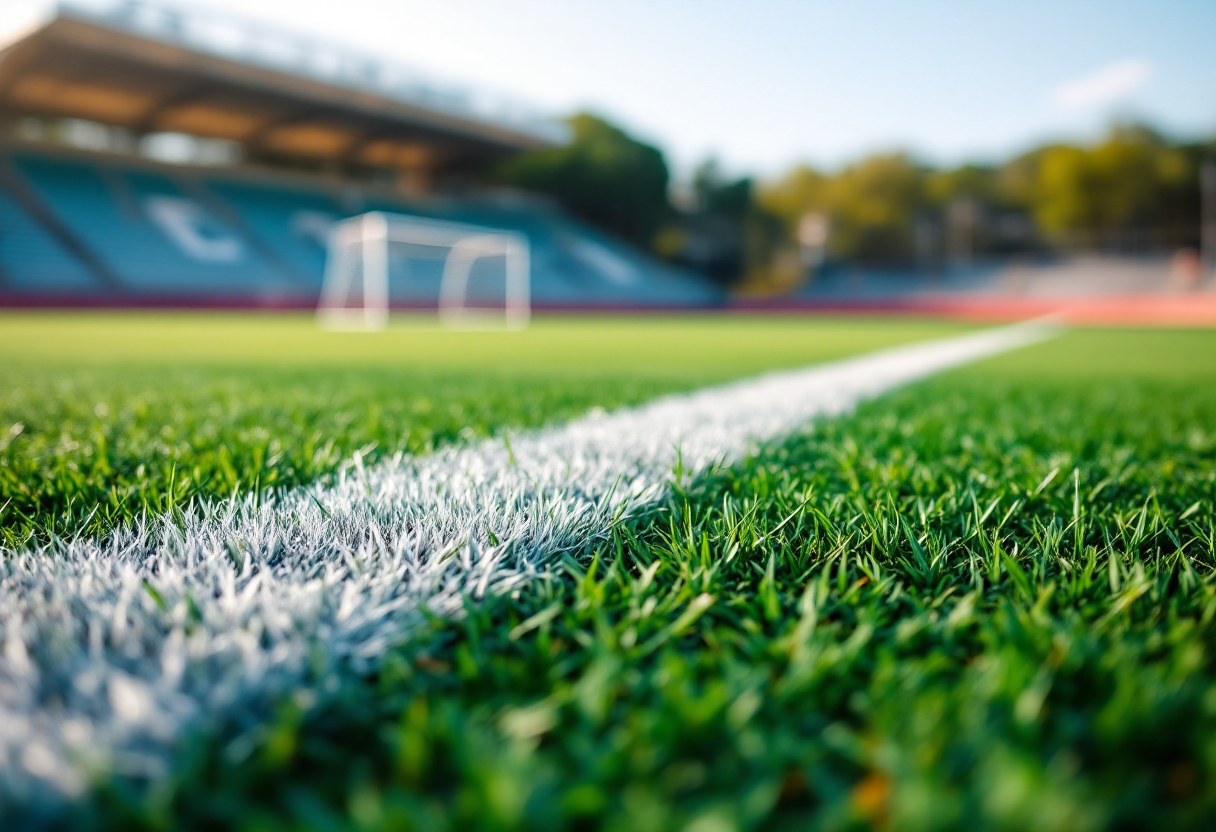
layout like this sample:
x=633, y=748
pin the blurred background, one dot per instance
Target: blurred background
x=996, y=160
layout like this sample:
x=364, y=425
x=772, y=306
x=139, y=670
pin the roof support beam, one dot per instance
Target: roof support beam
x=147, y=122
x=257, y=139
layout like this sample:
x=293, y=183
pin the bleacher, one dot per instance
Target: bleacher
x=33, y=262
x=90, y=218
x=162, y=233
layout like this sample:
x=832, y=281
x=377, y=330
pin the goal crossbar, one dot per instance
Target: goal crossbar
x=358, y=248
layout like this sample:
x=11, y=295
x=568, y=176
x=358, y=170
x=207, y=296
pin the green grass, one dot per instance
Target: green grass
x=983, y=602
x=103, y=417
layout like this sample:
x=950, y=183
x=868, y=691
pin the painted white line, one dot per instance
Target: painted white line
x=111, y=649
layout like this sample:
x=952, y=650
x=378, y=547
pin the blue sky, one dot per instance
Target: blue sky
x=766, y=83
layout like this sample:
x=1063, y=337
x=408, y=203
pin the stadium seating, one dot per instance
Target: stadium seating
x=292, y=221
x=231, y=236
x=158, y=240
x=33, y=262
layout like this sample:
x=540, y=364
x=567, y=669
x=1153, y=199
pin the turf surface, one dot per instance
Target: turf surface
x=985, y=601
x=106, y=416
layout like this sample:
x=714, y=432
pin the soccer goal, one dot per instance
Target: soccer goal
x=483, y=280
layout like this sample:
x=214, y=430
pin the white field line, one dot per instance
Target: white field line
x=113, y=648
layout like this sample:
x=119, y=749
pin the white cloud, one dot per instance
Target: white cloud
x=1105, y=86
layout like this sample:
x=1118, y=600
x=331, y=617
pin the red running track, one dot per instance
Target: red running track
x=1175, y=309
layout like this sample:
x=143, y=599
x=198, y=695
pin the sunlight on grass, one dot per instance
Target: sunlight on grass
x=104, y=416
x=983, y=602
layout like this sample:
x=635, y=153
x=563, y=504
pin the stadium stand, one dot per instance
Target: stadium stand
x=108, y=224
x=195, y=236
x=33, y=262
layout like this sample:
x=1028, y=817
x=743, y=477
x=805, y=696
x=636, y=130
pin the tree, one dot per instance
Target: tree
x=967, y=182
x=871, y=205
x=719, y=196
x=604, y=176
x=1133, y=180
x=1134, y=188
x=724, y=234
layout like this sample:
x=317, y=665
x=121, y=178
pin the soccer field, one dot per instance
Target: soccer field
x=105, y=416
x=978, y=595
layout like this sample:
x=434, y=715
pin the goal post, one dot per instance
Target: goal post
x=357, y=267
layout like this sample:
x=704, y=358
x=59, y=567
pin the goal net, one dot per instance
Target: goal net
x=479, y=278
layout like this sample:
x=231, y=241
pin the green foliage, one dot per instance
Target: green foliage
x=1078, y=196
x=1133, y=181
x=801, y=190
x=985, y=602
x=725, y=234
x=720, y=196
x=871, y=205
x=105, y=417
x=1133, y=178
x=974, y=182
x=604, y=175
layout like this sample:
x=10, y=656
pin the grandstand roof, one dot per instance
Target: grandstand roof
x=150, y=68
